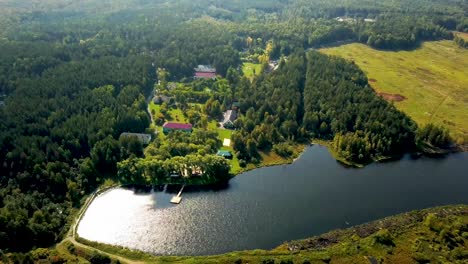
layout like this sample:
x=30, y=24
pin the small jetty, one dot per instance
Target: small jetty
x=178, y=198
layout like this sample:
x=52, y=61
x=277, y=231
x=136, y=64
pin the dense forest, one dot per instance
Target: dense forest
x=76, y=74
x=317, y=96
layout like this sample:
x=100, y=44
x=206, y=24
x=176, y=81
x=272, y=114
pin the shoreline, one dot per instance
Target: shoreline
x=72, y=234
x=313, y=246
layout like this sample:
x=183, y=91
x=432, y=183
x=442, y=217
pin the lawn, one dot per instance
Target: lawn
x=430, y=83
x=226, y=133
x=174, y=114
x=251, y=69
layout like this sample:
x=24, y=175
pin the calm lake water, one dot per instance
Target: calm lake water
x=265, y=207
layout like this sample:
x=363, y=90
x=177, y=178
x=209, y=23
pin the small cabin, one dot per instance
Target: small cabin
x=229, y=117
x=225, y=154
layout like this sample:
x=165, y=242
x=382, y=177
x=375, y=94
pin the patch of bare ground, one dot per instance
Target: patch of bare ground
x=373, y=80
x=392, y=97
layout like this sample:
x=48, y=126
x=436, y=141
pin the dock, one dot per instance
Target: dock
x=178, y=198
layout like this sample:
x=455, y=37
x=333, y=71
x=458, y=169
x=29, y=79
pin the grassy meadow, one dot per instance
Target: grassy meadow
x=251, y=69
x=430, y=84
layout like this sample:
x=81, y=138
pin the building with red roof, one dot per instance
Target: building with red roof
x=205, y=75
x=171, y=126
x=205, y=72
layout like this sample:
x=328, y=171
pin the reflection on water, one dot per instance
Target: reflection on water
x=265, y=207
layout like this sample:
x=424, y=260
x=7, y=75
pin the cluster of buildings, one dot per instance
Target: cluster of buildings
x=185, y=127
x=201, y=72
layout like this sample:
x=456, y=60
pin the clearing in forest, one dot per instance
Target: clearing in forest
x=430, y=84
x=250, y=70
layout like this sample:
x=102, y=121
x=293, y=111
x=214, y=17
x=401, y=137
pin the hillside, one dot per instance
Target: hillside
x=429, y=83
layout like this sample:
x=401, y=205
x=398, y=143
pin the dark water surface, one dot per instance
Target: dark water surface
x=265, y=207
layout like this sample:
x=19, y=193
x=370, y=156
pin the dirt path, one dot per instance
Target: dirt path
x=113, y=256
x=148, y=101
x=437, y=108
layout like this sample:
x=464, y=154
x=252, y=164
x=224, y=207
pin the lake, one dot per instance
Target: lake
x=262, y=208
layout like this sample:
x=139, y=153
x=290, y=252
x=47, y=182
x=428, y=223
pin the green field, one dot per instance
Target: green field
x=251, y=69
x=432, y=79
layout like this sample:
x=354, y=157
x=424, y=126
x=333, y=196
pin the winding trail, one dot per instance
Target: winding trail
x=113, y=256
x=148, y=101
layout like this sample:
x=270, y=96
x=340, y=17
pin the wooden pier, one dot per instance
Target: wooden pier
x=178, y=198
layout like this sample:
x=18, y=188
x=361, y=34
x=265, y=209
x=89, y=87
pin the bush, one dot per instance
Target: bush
x=242, y=163
x=97, y=258
x=432, y=223
x=465, y=235
x=384, y=237
x=435, y=135
x=283, y=149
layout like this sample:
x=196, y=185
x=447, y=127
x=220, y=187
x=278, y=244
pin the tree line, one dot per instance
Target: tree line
x=317, y=96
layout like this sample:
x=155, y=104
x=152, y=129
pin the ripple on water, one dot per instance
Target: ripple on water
x=265, y=207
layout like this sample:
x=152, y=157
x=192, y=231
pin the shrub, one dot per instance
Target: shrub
x=96, y=258
x=283, y=149
x=242, y=163
x=384, y=237
x=432, y=223
x=435, y=135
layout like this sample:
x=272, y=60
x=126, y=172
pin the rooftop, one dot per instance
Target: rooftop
x=230, y=115
x=171, y=125
x=205, y=75
x=224, y=153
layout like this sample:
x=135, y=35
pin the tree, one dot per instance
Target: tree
x=105, y=155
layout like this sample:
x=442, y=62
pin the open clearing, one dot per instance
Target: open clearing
x=250, y=70
x=430, y=83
